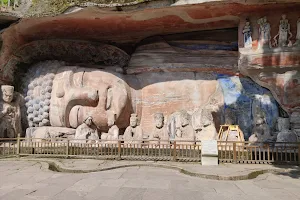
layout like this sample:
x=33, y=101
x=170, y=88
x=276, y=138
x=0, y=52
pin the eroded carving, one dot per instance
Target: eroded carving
x=203, y=124
x=180, y=128
x=133, y=133
x=261, y=131
x=86, y=132
x=283, y=38
x=285, y=134
x=295, y=123
x=247, y=31
x=113, y=133
x=159, y=134
x=297, y=43
x=264, y=33
x=39, y=134
x=10, y=114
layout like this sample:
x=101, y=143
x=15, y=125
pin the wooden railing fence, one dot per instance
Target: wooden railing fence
x=187, y=151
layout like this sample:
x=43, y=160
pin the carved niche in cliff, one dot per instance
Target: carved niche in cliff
x=274, y=66
x=70, y=51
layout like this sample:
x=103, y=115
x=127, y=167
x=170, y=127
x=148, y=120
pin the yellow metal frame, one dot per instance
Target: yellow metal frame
x=225, y=129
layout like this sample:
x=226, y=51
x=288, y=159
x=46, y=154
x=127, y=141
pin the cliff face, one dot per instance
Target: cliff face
x=174, y=56
x=38, y=8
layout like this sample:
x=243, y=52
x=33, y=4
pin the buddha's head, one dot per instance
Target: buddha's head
x=69, y=94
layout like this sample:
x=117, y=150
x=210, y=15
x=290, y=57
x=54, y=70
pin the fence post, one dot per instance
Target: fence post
x=67, y=148
x=234, y=152
x=174, y=151
x=18, y=143
x=119, y=150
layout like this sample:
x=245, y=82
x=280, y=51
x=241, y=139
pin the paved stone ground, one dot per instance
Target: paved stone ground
x=24, y=180
x=222, y=170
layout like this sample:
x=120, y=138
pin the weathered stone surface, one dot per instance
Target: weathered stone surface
x=241, y=95
x=203, y=124
x=180, y=128
x=133, y=133
x=274, y=66
x=86, y=132
x=126, y=27
x=261, y=131
x=285, y=134
x=48, y=133
x=159, y=134
x=152, y=61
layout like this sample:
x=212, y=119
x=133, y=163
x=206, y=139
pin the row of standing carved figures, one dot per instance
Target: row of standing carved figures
x=282, y=38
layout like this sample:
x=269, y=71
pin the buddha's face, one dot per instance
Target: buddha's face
x=7, y=93
x=81, y=92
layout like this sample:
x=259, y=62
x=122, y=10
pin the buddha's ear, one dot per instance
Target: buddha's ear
x=109, y=98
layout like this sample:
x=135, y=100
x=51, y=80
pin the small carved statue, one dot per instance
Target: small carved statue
x=264, y=33
x=284, y=31
x=285, y=134
x=295, y=123
x=10, y=114
x=204, y=125
x=185, y=133
x=133, y=133
x=86, y=131
x=247, y=35
x=113, y=132
x=261, y=130
x=297, y=43
x=160, y=134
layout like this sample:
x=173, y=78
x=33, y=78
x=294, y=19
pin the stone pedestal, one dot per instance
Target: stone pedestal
x=209, y=154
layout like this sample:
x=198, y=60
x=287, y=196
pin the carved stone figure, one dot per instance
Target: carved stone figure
x=285, y=134
x=247, y=35
x=261, y=130
x=295, y=123
x=284, y=31
x=230, y=117
x=113, y=133
x=133, y=133
x=297, y=43
x=159, y=134
x=10, y=114
x=72, y=94
x=38, y=134
x=264, y=33
x=203, y=124
x=184, y=134
x=86, y=131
